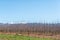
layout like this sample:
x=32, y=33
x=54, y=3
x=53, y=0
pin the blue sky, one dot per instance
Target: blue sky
x=29, y=11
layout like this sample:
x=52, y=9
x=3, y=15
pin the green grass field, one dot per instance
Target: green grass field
x=18, y=37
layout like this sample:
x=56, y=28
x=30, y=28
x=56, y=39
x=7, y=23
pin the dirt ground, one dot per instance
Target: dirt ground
x=36, y=35
x=43, y=36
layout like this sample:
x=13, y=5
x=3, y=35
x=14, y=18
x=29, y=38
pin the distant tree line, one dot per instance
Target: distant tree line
x=31, y=28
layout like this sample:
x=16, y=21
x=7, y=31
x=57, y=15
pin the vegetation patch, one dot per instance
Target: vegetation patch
x=20, y=37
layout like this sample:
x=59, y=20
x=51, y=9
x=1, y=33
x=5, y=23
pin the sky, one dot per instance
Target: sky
x=29, y=11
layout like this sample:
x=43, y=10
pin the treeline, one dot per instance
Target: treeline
x=30, y=28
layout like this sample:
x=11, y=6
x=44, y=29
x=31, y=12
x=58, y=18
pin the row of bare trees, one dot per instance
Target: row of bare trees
x=31, y=28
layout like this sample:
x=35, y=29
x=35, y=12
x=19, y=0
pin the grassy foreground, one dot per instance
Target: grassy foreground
x=18, y=37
